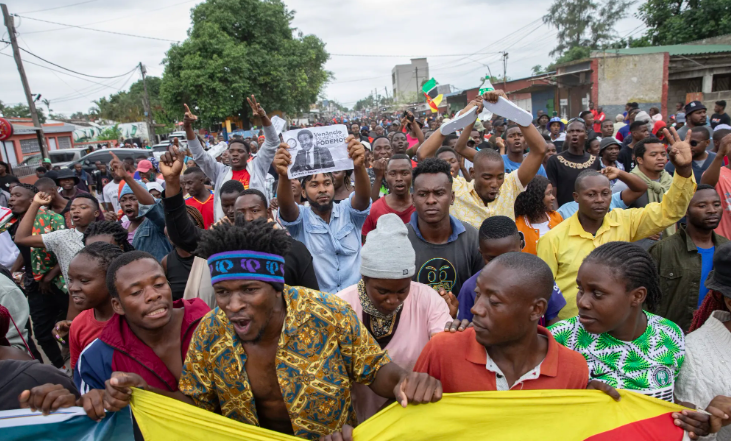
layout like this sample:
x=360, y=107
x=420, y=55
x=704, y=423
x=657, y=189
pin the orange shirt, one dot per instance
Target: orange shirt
x=530, y=234
x=205, y=207
x=241, y=176
x=459, y=362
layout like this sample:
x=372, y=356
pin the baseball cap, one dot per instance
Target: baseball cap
x=144, y=166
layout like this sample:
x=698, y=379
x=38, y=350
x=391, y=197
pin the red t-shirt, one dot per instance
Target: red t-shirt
x=205, y=207
x=84, y=330
x=458, y=361
x=242, y=176
x=378, y=209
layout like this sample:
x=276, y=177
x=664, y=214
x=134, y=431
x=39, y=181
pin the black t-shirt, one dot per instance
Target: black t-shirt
x=563, y=169
x=5, y=182
x=720, y=118
x=178, y=271
x=626, y=157
x=19, y=375
x=100, y=180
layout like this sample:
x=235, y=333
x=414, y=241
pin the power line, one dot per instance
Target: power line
x=98, y=30
x=73, y=71
x=59, y=7
x=406, y=56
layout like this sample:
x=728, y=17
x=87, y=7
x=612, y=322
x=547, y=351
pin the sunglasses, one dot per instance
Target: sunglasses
x=581, y=120
x=694, y=143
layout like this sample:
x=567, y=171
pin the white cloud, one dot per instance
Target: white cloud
x=408, y=27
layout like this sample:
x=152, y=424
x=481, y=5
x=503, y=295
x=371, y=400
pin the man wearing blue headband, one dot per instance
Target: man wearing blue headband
x=279, y=357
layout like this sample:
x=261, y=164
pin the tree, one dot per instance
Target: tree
x=126, y=107
x=236, y=48
x=584, y=23
x=21, y=111
x=110, y=134
x=681, y=21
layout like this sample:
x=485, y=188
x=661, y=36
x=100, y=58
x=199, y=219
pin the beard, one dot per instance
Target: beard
x=320, y=207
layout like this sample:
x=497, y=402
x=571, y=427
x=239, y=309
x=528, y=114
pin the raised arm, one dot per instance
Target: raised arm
x=271, y=140
x=205, y=161
x=636, y=187
x=430, y=146
x=461, y=146
x=181, y=230
x=419, y=135
x=713, y=172
x=362, y=198
x=23, y=235
x=143, y=196
x=379, y=170
x=288, y=210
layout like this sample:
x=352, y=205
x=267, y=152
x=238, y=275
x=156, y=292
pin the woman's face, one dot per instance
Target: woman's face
x=548, y=198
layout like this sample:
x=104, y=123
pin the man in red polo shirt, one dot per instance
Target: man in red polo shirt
x=506, y=349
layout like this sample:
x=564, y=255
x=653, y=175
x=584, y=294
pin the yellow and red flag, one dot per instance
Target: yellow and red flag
x=546, y=415
x=433, y=97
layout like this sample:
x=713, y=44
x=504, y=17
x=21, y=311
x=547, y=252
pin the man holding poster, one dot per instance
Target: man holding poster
x=318, y=150
x=332, y=233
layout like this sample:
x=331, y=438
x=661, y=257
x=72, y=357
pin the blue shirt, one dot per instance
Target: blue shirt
x=569, y=208
x=335, y=247
x=698, y=168
x=150, y=235
x=467, y=299
x=511, y=166
x=706, y=267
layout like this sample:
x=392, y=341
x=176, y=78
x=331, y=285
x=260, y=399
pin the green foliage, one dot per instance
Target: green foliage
x=110, y=133
x=537, y=70
x=586, y=24
x=21, y=111
x=127, y=107
x=236, y=48
x=681, y=21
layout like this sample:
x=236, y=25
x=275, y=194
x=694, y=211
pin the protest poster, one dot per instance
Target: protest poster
x=317, y=150
x=279, y=124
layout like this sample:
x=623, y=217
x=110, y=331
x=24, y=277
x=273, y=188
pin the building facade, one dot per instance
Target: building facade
x=406, y=79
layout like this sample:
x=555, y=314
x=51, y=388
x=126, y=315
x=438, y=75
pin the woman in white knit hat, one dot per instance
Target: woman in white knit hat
x=401, y=314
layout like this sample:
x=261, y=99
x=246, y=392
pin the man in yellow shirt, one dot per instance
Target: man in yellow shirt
x=566, y=245
x=491, y=192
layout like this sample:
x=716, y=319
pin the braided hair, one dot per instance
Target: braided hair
x=109, y=228
x=632, y=264
x=31, y=188
x=530, y=202
x=102, y=252
x=712, y=302
x=196, y=216
x=257, y=235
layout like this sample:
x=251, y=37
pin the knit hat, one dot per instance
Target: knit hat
x=127, y=190
x=643, y=116
x=387, y=253
x=607, y=141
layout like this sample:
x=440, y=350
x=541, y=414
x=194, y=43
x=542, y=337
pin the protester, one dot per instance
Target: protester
x=606, y=129
x=199, y=197
x=100, y=178
x=6, y=176
x=251, y=204
x=491, y=192
x=178, y=265
x=550, y=151
x=332, y=233
x=83, y=182
x=563, y=169
x=719, y=114
x=704, y=376
x=249, y=174
x=515, y=151
x=625, y=347
x=556, y=128
x=608, y=153
x=16, y=306
x=718, y=175
x=68, y=181
x=534, y=213
x=695, y=116
x=147, y=337
x=618, y=124
x=270, y=321
x=145, y=216
x=382, y=152
x=685, y=259
x=624, y=131
x=398, y=200
x=400, y=314
x=506, y=349
x=343, y=185
x=110, y=193
x=499, y=235
x=107, y=232
x=702, y=158
x=599, y=119
x=565, y=246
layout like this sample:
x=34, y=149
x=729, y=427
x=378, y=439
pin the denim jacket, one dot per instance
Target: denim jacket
x=150, y=235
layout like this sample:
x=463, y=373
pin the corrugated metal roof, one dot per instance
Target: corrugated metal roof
x=20, y=129
x=676, y=49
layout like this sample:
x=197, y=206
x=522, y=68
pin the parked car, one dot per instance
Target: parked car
x=105, y=156
x=64, y=157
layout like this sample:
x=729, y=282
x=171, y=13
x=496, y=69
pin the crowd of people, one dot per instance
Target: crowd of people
x=583, y=254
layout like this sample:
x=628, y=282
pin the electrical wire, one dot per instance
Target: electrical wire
x=98, y=30
x=72, y=71
x=58, y=7
x=405, y=56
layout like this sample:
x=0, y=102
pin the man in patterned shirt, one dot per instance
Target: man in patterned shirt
x=279, y=357
x=491, y=192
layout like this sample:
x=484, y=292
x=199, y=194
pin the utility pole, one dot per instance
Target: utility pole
x=416, y=69
x=505, y=71
x=26, y=87
x=148, y=110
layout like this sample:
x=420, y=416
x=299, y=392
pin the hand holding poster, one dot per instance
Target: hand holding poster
x=317, y=150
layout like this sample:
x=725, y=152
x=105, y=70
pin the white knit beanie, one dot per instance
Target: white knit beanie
x=387, y=253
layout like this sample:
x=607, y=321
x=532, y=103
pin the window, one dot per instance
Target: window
x=64, y=142
x=29, y=145
x=721, y=82
x=61, y=156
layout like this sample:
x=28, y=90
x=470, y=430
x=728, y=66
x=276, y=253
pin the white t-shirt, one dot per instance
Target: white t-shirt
x=111, y=194
x=542, y=228
x=64, y=244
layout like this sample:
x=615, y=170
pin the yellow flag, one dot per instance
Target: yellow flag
x=546, y=415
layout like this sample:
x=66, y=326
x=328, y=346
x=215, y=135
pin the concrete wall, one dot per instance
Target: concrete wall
x=403, y=77
x=541, y=101
x=631, y=78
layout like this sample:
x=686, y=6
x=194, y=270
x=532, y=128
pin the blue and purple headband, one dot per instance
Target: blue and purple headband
x=246, y=265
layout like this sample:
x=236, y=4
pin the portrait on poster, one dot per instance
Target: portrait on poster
x=318, y=150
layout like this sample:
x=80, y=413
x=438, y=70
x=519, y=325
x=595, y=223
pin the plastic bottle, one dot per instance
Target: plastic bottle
x=486, y=86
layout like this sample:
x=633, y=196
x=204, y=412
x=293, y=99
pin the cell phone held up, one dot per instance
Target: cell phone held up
x=409, y=117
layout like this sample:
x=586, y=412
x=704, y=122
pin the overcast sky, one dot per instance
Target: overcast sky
x=476, y=30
